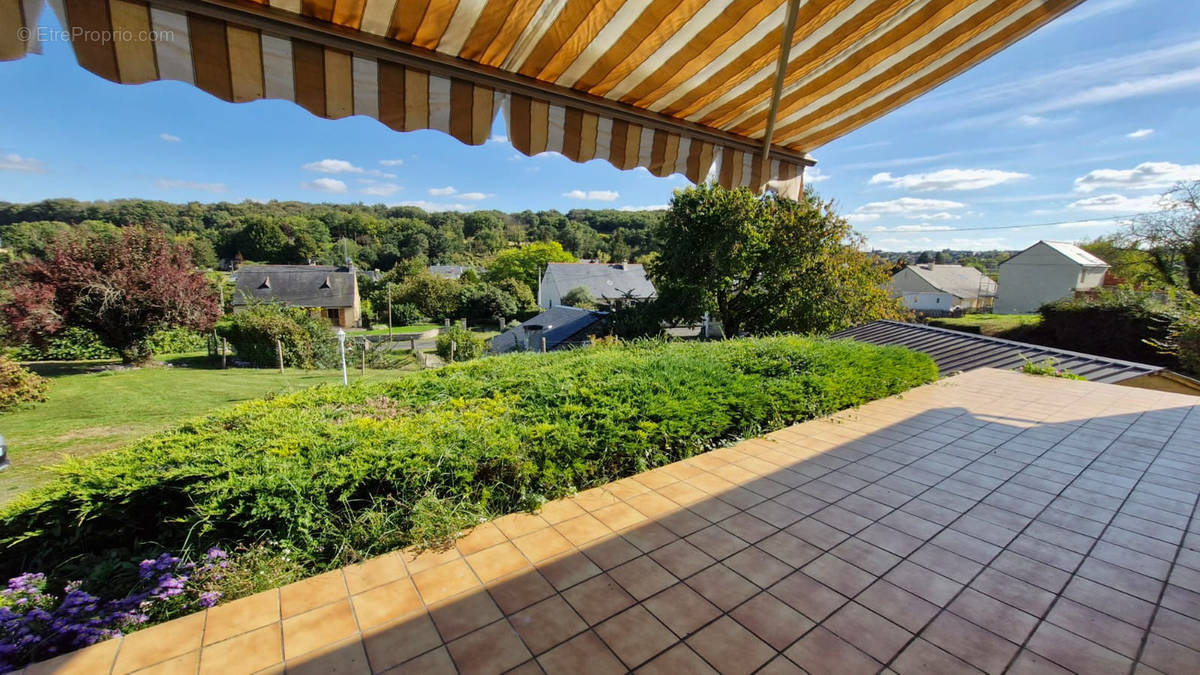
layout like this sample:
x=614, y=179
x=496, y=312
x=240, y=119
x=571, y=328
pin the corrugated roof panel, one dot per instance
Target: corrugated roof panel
x=955, y=351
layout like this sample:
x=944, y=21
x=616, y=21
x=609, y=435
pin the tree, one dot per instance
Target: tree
x=124, y=287
x=525, y=264
x=766, y=264
x=1172, y=236
x=1128, y=264
x=579, y=297
x=435, y=297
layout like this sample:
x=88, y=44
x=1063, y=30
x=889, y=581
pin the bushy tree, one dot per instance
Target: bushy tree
x=525, y=264
x=435, y=297
x=123, y=287
x=306, y=338
x=579, y=297
x=467, y=345
x=766, y=264
x=1172, y=235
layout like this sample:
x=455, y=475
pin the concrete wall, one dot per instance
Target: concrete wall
x=940, y=302
x=1036, y=276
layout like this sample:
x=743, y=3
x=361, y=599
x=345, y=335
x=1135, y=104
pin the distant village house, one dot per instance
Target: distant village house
x=331, y=290
x=557, y=328
x=607, y=283
x=453, y=271
x=938, y=289
x=1045, y=272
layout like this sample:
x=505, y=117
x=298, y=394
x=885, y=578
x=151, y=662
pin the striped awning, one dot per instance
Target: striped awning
x=696, y=87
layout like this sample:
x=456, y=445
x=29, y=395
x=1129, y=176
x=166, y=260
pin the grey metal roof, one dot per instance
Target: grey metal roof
x=561, y=326
x=1068, y=250
x=957, y=280
x=296, y=285
x=956, y=351
x=452, y=271
x=610, y=281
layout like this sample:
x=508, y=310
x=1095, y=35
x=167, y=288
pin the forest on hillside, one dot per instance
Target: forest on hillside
x=371, y=236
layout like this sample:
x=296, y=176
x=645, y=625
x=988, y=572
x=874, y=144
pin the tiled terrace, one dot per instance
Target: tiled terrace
x=992, y=521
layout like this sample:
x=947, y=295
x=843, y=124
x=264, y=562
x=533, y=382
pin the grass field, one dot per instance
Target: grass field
x=998, y=325
x=88, y=412
x=415, y=328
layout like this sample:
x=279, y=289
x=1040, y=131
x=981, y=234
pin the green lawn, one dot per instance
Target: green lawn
x=415, y=328
x=88, y=412
x=999, y=325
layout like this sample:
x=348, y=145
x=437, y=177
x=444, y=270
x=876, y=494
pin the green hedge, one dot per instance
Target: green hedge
x=338, y=473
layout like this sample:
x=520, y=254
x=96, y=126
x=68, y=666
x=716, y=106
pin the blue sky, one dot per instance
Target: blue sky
x=1089, y=118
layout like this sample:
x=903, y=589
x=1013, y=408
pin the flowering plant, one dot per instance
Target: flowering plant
x=36, y=625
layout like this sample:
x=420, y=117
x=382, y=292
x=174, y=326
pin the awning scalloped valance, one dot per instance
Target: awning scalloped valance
x=675, y=86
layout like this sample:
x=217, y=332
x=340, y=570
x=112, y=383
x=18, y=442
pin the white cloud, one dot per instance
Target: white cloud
x=391, y=162
x=814, y=175
x=18, y=163
x=910, y=207
x=861, y=217
x=593, y=195
x=498, y=138
x=169, y=184
x=1133, y=88
x=436, y=206
x=652, y=207
x=1030, y=120
x=923, y=227
x=381, y=189
x=442, y=192
x=168, y=137
x=1144, y=176
x=1084, y=224
x=332, y=185
x=1140, y=133
x=1118, y=203
x=948, y=179
x=475, y=196
x=333, y=166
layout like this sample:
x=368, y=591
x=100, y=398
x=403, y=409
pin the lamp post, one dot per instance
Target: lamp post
x=341, y=336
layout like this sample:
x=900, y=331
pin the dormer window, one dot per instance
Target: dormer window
x=266, y=282
x=326, y=284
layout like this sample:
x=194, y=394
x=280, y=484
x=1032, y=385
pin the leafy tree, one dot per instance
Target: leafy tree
x=521, y=294
x=766, y=264
x=487, y=301
x=1128, y=263
x=525, y=264
x=1172, y=236
x=263, y=240
x=579, y=297
x=123, y=287
x=435, y=297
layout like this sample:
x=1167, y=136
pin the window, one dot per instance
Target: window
x=332, y=314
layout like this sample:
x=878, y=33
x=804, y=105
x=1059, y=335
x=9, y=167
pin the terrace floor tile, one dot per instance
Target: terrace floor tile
x=980, y=524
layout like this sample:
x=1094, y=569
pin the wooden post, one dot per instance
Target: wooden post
x=389, y=287
x=363, y=372
x=543, y=345
x=224, y=350
x=412, y=345
x=447, y=323
x=279, y=353
x=453, y=346
x=501, y=324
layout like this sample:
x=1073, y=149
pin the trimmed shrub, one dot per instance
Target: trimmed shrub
x=18, y=386
x=339, y=473
x=403, y=314
x=1120, y=324
x=467, y=345
x=177, y=341
x=306, y=338
x=69, y=344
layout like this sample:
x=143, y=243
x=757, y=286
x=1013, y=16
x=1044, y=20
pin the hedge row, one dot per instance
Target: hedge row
x=338, y=473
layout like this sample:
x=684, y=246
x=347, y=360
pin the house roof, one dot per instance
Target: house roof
x=602, y=280
x=561, y=326
x=296, y=285
x=669, y=86
x=451, y=271
x=956, y=351
x=957, y=280
x=1070, y=251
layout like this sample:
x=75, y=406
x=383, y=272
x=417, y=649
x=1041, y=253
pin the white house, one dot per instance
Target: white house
x=607, y=283
x=943, y=288
x=1045, y=272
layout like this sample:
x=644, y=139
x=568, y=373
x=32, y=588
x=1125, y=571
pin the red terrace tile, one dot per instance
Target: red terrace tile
x=791, y=550
x=1015, y=592
x=677, y=659
x=568, y=570
x=923, y=583
x=758, y=566
x=1029, y=663
x=546, y=624
x=1096, y=626
x=394, y=643
x=609, y=552
x=456, y=617
x=924, y=658
x=493, y=649
x=635, y=635
x=838, y=574
x=717, y=542
x=772, y=620
x=584, y=654
x=1075, y=653
x=598, y=598
x=730, y=648
x=868, y=631
x=642, y=577
x=981, y=648
x=984, y=611
x=648, y=536
x=683, y=522
x=682, y=559
x=823, y=652
x=817, y=533
x=681, y=609
x=520, y=590
x=946, y=563
x=865, y=556
x=1169, y=657
x=897, y=604
x=722, y=586
x=808, y=596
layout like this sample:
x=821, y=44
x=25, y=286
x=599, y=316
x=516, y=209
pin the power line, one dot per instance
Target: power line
x=1015, y=227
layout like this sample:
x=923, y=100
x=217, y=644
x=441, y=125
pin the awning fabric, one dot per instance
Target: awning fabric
x=674, y=86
